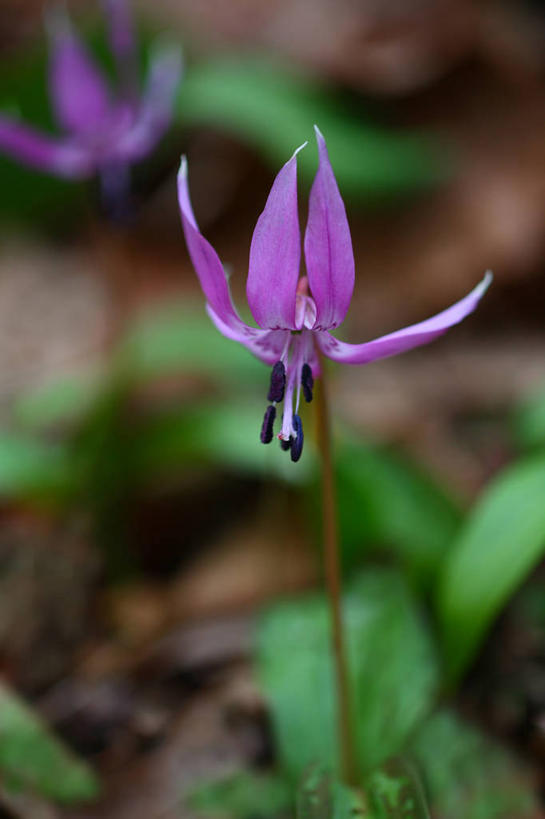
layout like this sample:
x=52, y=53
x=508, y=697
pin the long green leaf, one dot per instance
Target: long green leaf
x=31, y=759
x=393, y=673
x=529, y=421
x=32, y=469
x=180, y=337
x=388, y=502
x=503, y=539
x=275, y=108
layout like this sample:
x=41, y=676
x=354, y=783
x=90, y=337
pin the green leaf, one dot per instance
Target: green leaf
x=529, y=421
x=468, y=775
x=393, y=673
x=224, y=434
x=181, y=337
x=31, y=759
x=503, y=539
x=32, y=469
x=242, y=796
x=58, y=402
x=276, y=108
x=385, y=500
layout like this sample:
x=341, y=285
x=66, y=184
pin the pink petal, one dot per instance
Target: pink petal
x=121, y=32
x=328, y=246
x=275, y=254
x=210, y=270
x=267, y=345
x=55, y=156
x=155, y=111
x=78, y=90
x=406, y=339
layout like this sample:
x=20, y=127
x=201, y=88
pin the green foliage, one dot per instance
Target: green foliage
x=385, y=500
x=393, y=673
x=319, y=796
x=462, y=773
x=31, y=759
x=502, y=540
x=529, y=421
x=392, y=792
x=181, y=337
x=275, y=108
x=31, y=469
x=468, y=775
x=396, y=792
x=314, y=794
x=222, y=434
x=59, y=402
x=242, y=796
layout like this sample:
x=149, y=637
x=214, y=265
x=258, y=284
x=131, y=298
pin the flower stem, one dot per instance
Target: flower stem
x=349, y=768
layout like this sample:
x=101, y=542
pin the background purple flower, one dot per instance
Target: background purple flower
x=103, y=129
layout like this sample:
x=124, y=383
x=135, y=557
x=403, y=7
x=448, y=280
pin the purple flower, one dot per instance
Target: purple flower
x=103, y=132
x=296, y=314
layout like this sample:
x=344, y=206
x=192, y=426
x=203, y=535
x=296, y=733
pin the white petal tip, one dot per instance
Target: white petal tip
x=300, y=148
x=318, y=133
x=182, y=173
x=487, y=281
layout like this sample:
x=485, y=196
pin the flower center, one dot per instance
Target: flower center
x=305, y=306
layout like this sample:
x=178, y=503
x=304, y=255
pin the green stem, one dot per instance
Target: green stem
x=349, y=768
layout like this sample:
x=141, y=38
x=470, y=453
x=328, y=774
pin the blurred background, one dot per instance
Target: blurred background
x=143, y=528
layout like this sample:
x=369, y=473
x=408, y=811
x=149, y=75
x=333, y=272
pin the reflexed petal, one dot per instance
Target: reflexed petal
x=267, y=345
x=155, y=112
x=275, y=254
x=209, y=269
x=328, y=246
x=405, y=339
x=55, y=156
x=78, y=90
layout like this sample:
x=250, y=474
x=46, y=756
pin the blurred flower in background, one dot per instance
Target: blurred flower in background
x=105, y=130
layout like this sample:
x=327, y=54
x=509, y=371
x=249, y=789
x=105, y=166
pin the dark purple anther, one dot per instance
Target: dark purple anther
x=267, y=426
x=278, y=383
x=285, y=445
x=307, y=382
x=297, y=442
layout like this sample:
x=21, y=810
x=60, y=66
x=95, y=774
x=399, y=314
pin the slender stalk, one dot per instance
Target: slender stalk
x=333, y=582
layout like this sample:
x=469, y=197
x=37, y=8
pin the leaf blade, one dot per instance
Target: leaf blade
x=33, y=760
x=502, y=540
